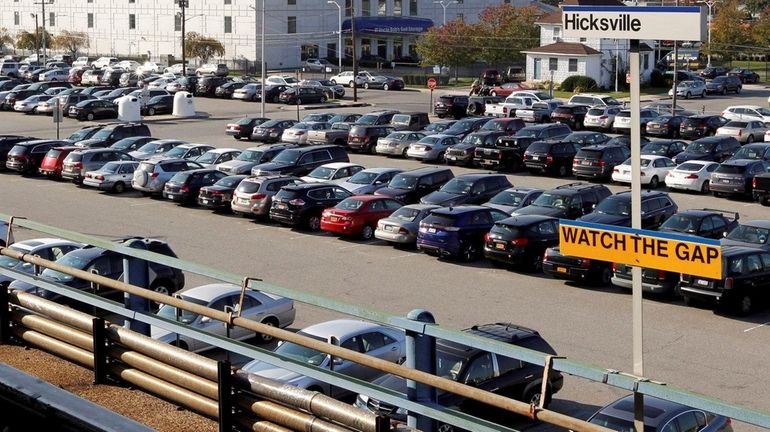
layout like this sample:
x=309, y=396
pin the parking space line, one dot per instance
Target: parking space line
x=756, y=327
x=300, y=236
x=259, y=228
x=402, y=256
x=143, y=204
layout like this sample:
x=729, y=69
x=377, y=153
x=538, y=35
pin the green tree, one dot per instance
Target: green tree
x=448, y=45
x=72, y=42
x=729, y=29
x=202, y=47
x=504, y=31
x=756, y=6
x=5, y=39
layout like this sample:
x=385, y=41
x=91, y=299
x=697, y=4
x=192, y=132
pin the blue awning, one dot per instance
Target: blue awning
x=391, y=25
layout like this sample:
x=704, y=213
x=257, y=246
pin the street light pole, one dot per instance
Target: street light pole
x=43, y=3
x=262, y=60
x=710, y=4
x=339, y=35
x=444, y=4
x=37, y=37
x=183, y=6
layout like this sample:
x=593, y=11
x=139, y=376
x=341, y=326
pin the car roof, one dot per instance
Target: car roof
x=478, y=176
x=728, y=251
x=656, y=411
x=460, y=210
x=502, y=332
x=367, y=198
x=340, y=328
x=210, y=291
x=193, y=145
x=741, y=162
x=745, y=106
x=758, y=223
x=523, y=220
x=35, y=244
x=702, y=212
x=303, y=186
x=338, y=165
x=645, y=194
x=424, y=171
x=223, y=150
x=381, y=170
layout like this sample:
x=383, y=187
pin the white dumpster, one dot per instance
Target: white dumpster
x=129, y=109
x=184, y=104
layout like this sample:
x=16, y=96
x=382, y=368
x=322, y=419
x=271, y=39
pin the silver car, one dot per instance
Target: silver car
x=688, y=89
x=113, y=176
x=78, y=162
x=402, y=225
x=375, y=340
x=513, y=199
x=47, y=248
x=254, y=195
x=184, y=151
x=298, y=133
x=599, y=117
x=397, y=143
x=155, y=148
x=745, y=131
x=257, y=306
x=252, y=157
x=432, y=147
x=30, y=104
x=217, y=156
x=151, y=176
x=369, y=180
x=247, y=92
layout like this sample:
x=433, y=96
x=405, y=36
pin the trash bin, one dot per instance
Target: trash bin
x=129, y=109
x=184, y=105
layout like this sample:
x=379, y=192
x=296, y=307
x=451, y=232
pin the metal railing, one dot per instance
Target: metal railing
x=613, y=378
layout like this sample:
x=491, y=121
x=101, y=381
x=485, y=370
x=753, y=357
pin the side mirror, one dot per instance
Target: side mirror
x=337, y=361
x=724, y=234
x=205, y=320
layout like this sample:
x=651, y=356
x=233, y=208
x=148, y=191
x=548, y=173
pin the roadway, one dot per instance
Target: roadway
x=691, y=348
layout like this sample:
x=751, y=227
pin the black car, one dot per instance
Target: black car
x=754, y=233
x=706, y=223
x=657, y=207
x=754, y=151
x=667, y=148
x=158, y=105
x=301, y=205
x=712, y=72
x=468, y=189
x=300, y=161
x=744, y=285
x=242, y=128
x=226, y=90
x=522, y=240
x=117, y=93
x=666, y=126
x=451, y=106
x=27, y=156
x=556, y=156
x=389, y=83
x=111, y=133
x=93, y=109
x=218, y=196
x=571, y=114
x=598, y=161
x=6, y=144
x=736, y=177
x=481, y=369
x=111, y=77
x=626, y=140
x=71, y=100
x=576, y=269
x=409, y=186
x=185, y=186
x=568, y=201
x=187, y=83
x=463, y=127
x=699, y=126
x=508, y=152
x=724, y=84
x=272, y=93
x=131, y=143
x=302, y=95
x=207, y=86
x=271, y=130
x=653, y=281
x=716, y=148
x=84, y=133
x=463, y=152
x=747, y=76
x=364, y=138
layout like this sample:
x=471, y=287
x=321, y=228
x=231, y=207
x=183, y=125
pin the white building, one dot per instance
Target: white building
x=295, y=29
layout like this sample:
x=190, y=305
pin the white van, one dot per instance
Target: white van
x=9, y=68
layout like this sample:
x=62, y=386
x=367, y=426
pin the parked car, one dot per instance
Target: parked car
x=300, y=161
x=184, y=151
x=513, y=198
x=508, y=125
x=599, y=161
x=753, y=234
x=411, y=121
x=712, y=72
x=668, y=148
x=155, y=148
x=491, y=77
x=708, y=223
x=272, y=93
x=249, y=92
x=556, y=156
x=84, y=133
x=622, y=123
x=717, y=149
x=26, y=157
x=150, y=176
x=463, y=152
x=93, y=109
x=569, y=201
x=301, y=205
x=78, y=162
x=540, y=112
x=468, y=189
x=747, y=76
x=302, y=95
x=688, y=89
x=377, y=118
x=30, y=104
x=218, y=69
x=431, y=147
x=242, y=128
x=286, y=80
x=756, y=151
x=332, y=173
x=594, y=100
x=451, y=106
x=521, y=240
x=601, y=117
x=113, y=176
x=724, y=84
x=505, y=90
x=365, y=138
x=47, y=248
x=409, y=186
x=402, y=225
x=227, y=89
x=52, y=163
x=298, y=133
x=746, y=113
x=316, y=64
x=158, y=105
x=664, y=126
x=271, y=130
x=615, y=210
x=253, y=196
x=396, y=143
x=91, y=77
x=358, y=215
x=216, y=156
x=457, y=232
x=508, y=152
x=251, y=157
x=184, y=186
x=745, y=131
x=331, y=90
x=699, y=126
x=370, y=180
x=108, y=134
x=576, y=269
x=477, y=105
x=761, y=189
x=692, y=175
x=736, y=177
x=572, y=115
x=654, y=170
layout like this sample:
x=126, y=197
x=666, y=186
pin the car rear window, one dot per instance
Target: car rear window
x=180, y=177
x=401, y=119
x=737, y=124
x=731, y=169
x=53, y=153
x=358, y=130
x=74, y=157
x=539, y=147
x=693, y=121
x=596, y=111
x=563, y=110
x=441, y=220
x=248, y=187
x=590, y=154
x=288, y=194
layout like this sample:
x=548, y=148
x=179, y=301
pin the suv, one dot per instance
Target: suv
x=746, y=112
x=744, y=282
x=508, y=152
x=468, y=189
x=708, y=223
x=699, y=126
x=615, y=210
x=413, y=121
x=485, y=370
x=568, y=201
x=185, y=186
x=271, y=130
x=716, y=148
x=254, y=195
x=207, y=86
x=300, y=161
x=598, y=161
x=78, y=162
x=6, y=144
x=364, y=137
x=593, y=100
x=218, y=69
x=110, y=134
x=477, y=105
x=451, y=106
x=27, y=156
x=151, y=176
x=409, y=186
x=462, y=153
x=571, y=114
x=736, y=177
x=724, y=84
x=301, y=204
x=556, y=156
x=9, y=69
x=252, y=157
x=377, y=118
x=457, y=232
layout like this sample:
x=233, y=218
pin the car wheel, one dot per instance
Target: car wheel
x=724, y=91
x=90, y=116
x=750, y=140
x=323, y=99
x=654, y=182
x=161, y=287
x=515, y=165
x=276, y=99
x=605, y=276
x=119, y=187
x=743, y=304
x=704, y=187
x=468, y=252
x=34, y=110
x=444, y=427
x=688, y=95
x=367, y=233
x=366, y=86
x=403, y=153
x=536, y=263
x=493, y=94
x=738, y=90
x=313, y=222
x=441, y=158
x=334, y=82
x=264, y=338
x=385, y=87
x=151, y=111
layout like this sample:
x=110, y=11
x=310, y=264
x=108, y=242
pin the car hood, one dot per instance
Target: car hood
x=269, y=371
x=237, y=164
x=393, y=192
x=443, y=198
x=463, y=146
x=271, y=166
x=686, y=156
x=505, y=208
x=539, y=210
x=617, y=220
x=136, y=154
x=359, y=189
x=87, y=143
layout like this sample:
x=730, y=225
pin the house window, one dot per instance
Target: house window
x=397, y=8
x=177, y=22
x=573, y=65
x=553, y=64
x=366, y=7
x=90, y=20
x=291, y=24
x=556, y=34
x=646, y=64
x=228, y=24
x=348, y=7
x=412, y=7
x=89, y=1
x=131, y=22
x=15, y=18
x=51, y=19
x=582, y=40
x=132, y=1
x=382, y=7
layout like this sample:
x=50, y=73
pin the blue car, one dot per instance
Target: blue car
x=659, y=415
x=457, y=232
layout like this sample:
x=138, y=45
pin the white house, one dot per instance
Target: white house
x=558, y=57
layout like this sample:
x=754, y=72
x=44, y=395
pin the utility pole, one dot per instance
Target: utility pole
x=262, y=60
x=355, y=60
x=710, y=4
x=37, y=38
x=183, y=5
x=42, y=3
x=339, y=35
x=676, y=64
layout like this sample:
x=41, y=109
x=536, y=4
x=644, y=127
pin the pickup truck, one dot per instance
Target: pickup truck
x=539, y=112
x=761, y=188
x=508, y=107
x=338, y=135
x=505, y=154
x=477, y=105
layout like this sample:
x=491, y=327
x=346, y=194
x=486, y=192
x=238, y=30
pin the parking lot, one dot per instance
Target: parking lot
x=688, y=347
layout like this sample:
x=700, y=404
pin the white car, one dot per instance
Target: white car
x=336, y=172
x=48, y=248
x=746, y=112
x=432, y=147
x=129, y=65
x=622, y=122
x=601, y=117
x=55, y=75
x=286, y=80
x=298, y=133
x=688, y=89
x=102, y=62
x=29, y=105
x=372, y=339
x=81, y=62
x=147, y=68
x=160, y=83
x=249, y=92
x=653, y=171
x=692, y=175
x=346, y=79
x=266, y=308
x=217, y=156
x=316, y=64
x=177, y=69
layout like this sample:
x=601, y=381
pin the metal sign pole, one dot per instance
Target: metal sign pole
x=57, y=116
x=430, y=107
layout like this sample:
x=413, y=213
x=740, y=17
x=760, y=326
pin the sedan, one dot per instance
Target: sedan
x=242, y=128
x=691, y=175
x=158, y=105
x=217, y=156
x=432, y=147
x=249, y=92
x=506, y=89
x=654, y=169
x=745, y=131
x=369, y=180
x=513, y=199
x=47, y=248
x=92, y=109
x=688, y=89
x=622, y=123
x=667, y=148
x=664, y=126
x=335, y=172
x=668, y=416
x=522, y=240
x=375, y=340
x=302, y=95
x=298, y=133
x=227, y=90
x=358, y=215
x=397, y=143
x=30, y=104
x=385, y=83
x=218, y=196
x=401, y=227
x=746, y=75
x=268, y=309
x=185, y=186
x=113, y=176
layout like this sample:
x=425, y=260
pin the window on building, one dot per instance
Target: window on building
x=131, y=22
x=556, y=34
x=382, y=7
x=348, y=7
x=89, y=1
x=366, y=46
x=228, y=2
x=228, y=24
x=460, y=17
x=16, y=18
x=132, y=1
x=177, y=22
x=583, y=40
x=90, y=20
x=291, y=24
x=573, y=63
x=292, y=2
x=51, y=19
x=553, y=64
x=366, y=7
x=331, y=50
x=397, y=8
x=412, y=7
x=646, y=63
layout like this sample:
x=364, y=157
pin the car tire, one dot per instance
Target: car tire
x=313, y=222
x=160, y=287
x=367, y=232
x=654, y=182
x=151, y=111
x=738, y=90
x=468, y=252
x=533, y=395
x=703, y=95
x=403, y=153
x=536, y=264
x=441, y=158
x=366, y=86
x=263, y=338
x=724, y=91
x=298, y=101
x=704, y=187
x=34, y=111
x=743, y=304
x=323, y=99
x=119, y=187
x=688, y=95
x=334, y=82
x=351, y=84
x=493, y=94
x=276, y=99
x=385, y=87
x=90, y=116
x=605, y=277
x=562, y=171
x=750, y=139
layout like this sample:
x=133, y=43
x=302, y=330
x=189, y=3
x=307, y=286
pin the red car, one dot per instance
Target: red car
x=54, y=160
x=358, y=215
x=506, y=89
x=75, y=75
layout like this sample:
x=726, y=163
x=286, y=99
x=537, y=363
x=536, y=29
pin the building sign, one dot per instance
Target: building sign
x=650, y=249
x=636, y=22
x=389, y=25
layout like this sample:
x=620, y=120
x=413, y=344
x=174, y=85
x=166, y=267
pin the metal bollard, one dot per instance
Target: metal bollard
x=136, y=272
x=421, y=355
x=225, y=381
x=5, y=316
x=99, y=335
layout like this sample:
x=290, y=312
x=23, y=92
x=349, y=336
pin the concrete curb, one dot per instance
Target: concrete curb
x=325, y=106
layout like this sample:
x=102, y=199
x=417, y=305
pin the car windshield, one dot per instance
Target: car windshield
x=102, y=134
x=180, y=177
x=185, y=317
x=461, y=126
x=493, y=126
x=303, y=354
x=437, y=127
x=700, y=147
x=363, y=178
x=250, y=156
x=526, y=133
x=749, y=153
x=509, y=198
x=8, y=262
x=680, y=223
x=110, y=167
x=473, y=139
x=405, y=214
x=208, y=157
x=429, y=140
x=553, y=201
x=287, y=157
x=655, y=148
x=401, y=119
x=150, y=148
x=731, y=169
x=300, y=126
x=615, y=207
x=736, y=124
x=368, y=119
x=449, y=365
x=397, y=136
x=750, y=234
x=458, y=186
x=763, y=111
x=350, y=204
x=323, y=173
x=69, y=260
x=403, y=182
x=177, y=152
x=644, y=162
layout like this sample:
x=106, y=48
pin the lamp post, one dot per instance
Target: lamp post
x=183, y=6
x=262, y=72
x=339, y=35
x=710, y=4
x=43, y=3
x=444, y=4
x=37, y=33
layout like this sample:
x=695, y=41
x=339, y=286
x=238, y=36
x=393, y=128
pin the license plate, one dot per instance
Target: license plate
x=500, y=245
x=689, y=128
x=702, y=282
x=535, y=157
x=388, y=228
x=431, y=230
x=280, y=206
x=490, y=162
x=244, y=201
x=585, y=162
x=450, y=157
x=725, y=181
x=334, y=218
x=204, y=201
x=561, y=269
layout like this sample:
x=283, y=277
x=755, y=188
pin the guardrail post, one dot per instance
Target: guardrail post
x=136, y=272
x=225, y=380
x=421, y=355
x=5, y=315
x=99, y=335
